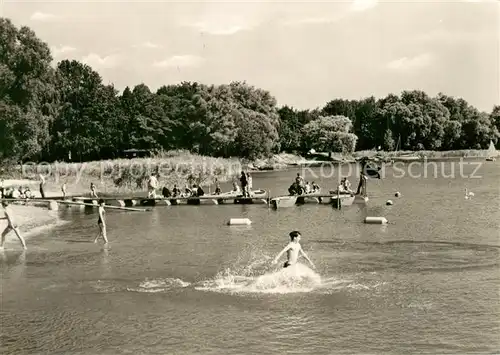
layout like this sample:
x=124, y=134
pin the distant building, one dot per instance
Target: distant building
x=136, y=153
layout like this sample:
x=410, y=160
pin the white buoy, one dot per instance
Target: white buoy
x=397, y=194
x=53, y=206
x=389, y=202
x=239, y=222
x=375, y=220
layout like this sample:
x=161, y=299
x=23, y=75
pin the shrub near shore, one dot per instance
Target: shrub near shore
x=128, y=175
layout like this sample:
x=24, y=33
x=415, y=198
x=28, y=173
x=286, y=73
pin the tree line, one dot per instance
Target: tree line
x=50, y=112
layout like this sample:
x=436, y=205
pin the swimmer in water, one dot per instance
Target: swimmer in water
x=101, y=222
x=293, y=249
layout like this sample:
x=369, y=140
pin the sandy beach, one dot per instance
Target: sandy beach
x=31, y=220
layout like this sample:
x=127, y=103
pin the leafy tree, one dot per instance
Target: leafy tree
x=28, y=98
x=45, y=113
x=88, y=121
x=330, y=133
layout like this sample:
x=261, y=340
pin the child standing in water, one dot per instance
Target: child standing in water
x=101, y=222
x=293, y=249
x=11, y=225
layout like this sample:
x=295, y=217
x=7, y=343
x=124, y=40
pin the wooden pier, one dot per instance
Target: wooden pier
x=260, y=197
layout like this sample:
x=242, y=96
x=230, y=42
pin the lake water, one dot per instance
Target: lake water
x=178, y=280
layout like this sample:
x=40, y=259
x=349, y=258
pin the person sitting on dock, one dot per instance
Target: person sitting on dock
x=345, y=186
x=11, y=226
x=295, y=189
x=93, y=191
x=315, y=188
x=236, y=189
x=218, y=190
x=187, y=191
x=21, y=192
x=166, y=192
x=176, y=191
x=28, y=193
x=16, y=193
x=307, y=188
x=198, y=191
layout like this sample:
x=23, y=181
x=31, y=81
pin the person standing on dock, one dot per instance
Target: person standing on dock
x=11, y=225
x=250, y=184
x=367, y=170
x=244, y=184
x=101, y=222
x=93, y=192
x=152, y=186
x=42, y=184
x=63, y=190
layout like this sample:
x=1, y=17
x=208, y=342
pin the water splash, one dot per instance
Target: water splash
x=294, y=279
x=159, y=285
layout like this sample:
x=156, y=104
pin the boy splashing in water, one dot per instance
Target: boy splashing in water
x=293, y=249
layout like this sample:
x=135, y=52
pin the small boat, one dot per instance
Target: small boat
x=342, y=193
x=289, y=201
x=258, y=196
x=308, y=199
x=345, y=200
x=283, y=201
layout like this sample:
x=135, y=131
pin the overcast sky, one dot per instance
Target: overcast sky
x=305, y=53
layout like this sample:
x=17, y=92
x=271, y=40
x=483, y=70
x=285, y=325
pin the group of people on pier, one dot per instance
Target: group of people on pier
x=302, y=187
x=20, y=192
x=244, y=188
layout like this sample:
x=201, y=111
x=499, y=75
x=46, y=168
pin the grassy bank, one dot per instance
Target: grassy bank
x=430, y=154
x=128, y=175
x=383, y=155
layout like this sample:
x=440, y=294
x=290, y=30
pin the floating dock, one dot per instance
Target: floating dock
x=260, y=197
x=257, y=197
